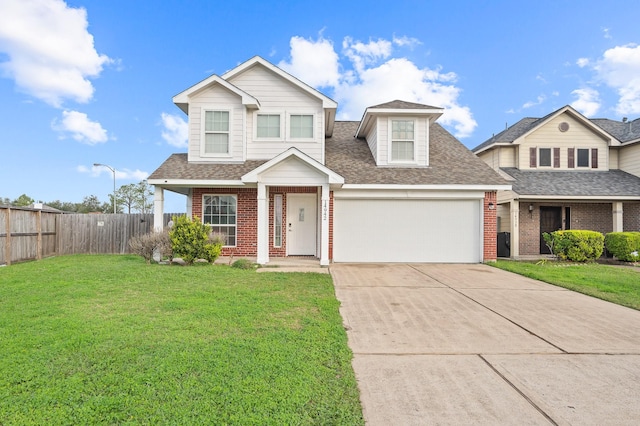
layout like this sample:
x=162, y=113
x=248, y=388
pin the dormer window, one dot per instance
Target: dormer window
x=402, y=141
x=216, y=133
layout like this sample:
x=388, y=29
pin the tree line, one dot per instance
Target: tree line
x=131, y=198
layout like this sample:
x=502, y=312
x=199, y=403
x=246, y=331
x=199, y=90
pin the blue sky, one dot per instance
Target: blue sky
x=84, y=82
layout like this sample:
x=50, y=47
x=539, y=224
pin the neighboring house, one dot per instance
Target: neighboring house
x=567, y=172
x=270, y=168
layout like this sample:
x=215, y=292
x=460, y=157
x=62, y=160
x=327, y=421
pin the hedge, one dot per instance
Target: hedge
x=576, y=245
x=624, y=246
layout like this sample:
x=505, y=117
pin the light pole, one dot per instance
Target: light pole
x=114, y=182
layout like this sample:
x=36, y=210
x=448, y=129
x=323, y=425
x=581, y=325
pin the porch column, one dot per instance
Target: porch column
x=263, y=225
x=515, y=228
x=324, y=226
x=158, y=208
x=617, y=211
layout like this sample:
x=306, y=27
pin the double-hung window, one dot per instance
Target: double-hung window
x=216, y=132
x=544, y=157
x=268, y=126
x=402, y=141
x=583, y=157
x=301, y=126
x=219, y=212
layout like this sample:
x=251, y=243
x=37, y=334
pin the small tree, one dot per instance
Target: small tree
x=154, y=242
x=190, y=240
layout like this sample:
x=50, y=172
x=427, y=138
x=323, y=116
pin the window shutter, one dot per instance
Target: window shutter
x=594, y=158
x=556, y=157
x=533, y=161
x=571, y=154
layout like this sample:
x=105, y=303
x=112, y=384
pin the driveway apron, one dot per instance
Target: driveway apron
x=472, y=344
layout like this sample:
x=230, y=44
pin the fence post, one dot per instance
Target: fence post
x=7, y=241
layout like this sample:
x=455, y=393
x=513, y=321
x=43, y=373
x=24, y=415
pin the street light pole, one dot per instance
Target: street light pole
x=114, y=182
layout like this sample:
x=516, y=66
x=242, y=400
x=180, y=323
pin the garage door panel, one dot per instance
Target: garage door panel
x=406, y=230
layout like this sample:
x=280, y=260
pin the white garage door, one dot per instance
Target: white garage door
x=368, y=230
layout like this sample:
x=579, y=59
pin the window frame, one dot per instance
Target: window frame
x=577, y=158
x=268, y=139
x=227, y=225
x=550, y=165
x=390, y=140
x=277, y=234
x=204, y=132
x=313, y=116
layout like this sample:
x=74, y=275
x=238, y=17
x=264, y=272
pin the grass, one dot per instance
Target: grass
x=619, y=285
x=111, y=340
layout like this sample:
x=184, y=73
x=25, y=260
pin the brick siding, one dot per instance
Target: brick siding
x=490, y=249
x=631, y=217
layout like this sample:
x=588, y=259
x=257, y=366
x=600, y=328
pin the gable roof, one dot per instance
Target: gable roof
x=396, y=107
x=327, y=102
x=450, y=162
x=525, y=126
x=574, y=184
x=253, y=175
x=625, y=131
x=182, y=98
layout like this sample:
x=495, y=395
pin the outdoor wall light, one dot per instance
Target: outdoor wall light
x=492, y=206
x=530, y=208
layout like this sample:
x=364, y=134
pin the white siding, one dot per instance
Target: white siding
x=292, y=170
x=277, y=94
x=578, y=136
x=216, y=97
x=501, y=156
x=372, y=141
x=630, y=159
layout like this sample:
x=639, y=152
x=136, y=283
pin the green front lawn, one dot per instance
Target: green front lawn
x=111, y=340
x=615, y=284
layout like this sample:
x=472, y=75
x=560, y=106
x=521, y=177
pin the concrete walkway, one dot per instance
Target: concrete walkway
x=471, y=344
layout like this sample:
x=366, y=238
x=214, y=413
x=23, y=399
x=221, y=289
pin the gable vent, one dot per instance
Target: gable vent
x=564, y=126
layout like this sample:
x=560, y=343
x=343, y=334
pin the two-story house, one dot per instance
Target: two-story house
x=566, y=172
x=269, y=167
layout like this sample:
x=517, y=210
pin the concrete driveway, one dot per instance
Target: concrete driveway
x=471, y=344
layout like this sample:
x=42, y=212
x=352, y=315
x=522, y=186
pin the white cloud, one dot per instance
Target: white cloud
x=314, y=62
x=121, y=174
x=50, y=53
x=406, y=41
x=176, y=130
x=372, y=75
x=79, y=127
x=606, y=34
x=582, y=62
x=619, y=68
x=587, y=102
x=539, y=100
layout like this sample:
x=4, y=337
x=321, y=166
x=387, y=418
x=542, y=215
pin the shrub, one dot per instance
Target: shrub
x=576, y=245
x=190, y=240
x=148, y=244
x=623, y=246
x=243, y=264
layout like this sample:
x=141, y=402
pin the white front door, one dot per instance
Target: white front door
x=301, y=224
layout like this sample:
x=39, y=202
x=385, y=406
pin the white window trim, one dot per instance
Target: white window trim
x=255, y=126
x=313, y=114
x=234, y=196
x=276, y=197
x=203, y=153
x=390, y=159
x=550, y=166
x=575, y=155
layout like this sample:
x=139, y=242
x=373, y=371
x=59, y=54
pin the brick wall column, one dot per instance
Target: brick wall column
x=490, y=250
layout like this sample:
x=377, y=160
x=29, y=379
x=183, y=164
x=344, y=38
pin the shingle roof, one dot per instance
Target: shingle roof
x=177, y=167
x=613, y=183
x=398, y=104
x=510, y=134
x=623, y=131
x=451, y=163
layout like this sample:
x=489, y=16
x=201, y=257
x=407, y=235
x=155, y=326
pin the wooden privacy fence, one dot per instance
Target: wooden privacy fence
x=28, y=234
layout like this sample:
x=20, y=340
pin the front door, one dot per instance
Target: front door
x=550, y=220
x=302, y=224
